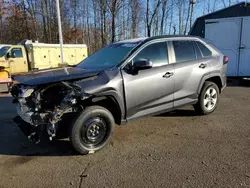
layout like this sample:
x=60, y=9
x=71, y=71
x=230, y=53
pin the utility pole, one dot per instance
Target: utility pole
x=192, y=2
x=186, y=25
x=60, y=29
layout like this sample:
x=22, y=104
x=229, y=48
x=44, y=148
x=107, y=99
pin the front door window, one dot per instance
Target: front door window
x=16, y=53
x=156, y=52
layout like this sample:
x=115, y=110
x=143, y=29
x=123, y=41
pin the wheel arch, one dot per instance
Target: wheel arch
x=111, y=103
x=215, y=78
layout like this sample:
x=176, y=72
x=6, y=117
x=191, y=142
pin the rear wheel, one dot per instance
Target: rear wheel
x=208, y=99
x=92, y=130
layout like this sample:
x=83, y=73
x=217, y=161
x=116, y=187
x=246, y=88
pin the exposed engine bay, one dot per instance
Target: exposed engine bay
x=44, y=105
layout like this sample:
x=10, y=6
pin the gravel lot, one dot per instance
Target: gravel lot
x=177, y=149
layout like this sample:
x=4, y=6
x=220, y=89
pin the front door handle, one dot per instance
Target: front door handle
x=202, y=66
x=168, y=74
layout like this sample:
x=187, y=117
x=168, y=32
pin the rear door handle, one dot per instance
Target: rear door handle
x=202, y=66
x=168, y=74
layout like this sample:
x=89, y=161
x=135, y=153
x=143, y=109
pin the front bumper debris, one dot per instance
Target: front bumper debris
x=33, y=133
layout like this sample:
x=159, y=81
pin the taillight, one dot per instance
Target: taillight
x=226, y=59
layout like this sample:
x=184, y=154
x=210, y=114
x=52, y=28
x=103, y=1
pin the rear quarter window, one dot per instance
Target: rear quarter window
x=205, y=51
x=198, y=51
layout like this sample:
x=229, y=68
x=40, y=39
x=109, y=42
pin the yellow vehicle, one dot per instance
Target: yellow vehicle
x=5, y=79
x=35, y=56
x=28, y=56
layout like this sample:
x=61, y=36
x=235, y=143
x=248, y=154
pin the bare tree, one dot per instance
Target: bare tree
x=114, y=6
x=225, y=3
x=180, y=14
x=97, y=22
x=2, y=13
x=163, y=15
x=32, y=9
x=174, y=28
x=192, y=5
x=150, y=17
x=185, y=30
x=74, y=7
x=135, y=8
x=171, y=17
x=103, y=13
x=25, y=18
x=44, y=23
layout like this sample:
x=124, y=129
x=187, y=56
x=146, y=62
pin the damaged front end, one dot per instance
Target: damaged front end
x=41, y=107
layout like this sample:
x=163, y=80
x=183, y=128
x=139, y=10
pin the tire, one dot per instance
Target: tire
x=92, y=130
x=204, y=107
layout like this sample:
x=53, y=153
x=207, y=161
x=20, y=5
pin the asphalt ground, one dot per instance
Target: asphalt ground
x=177, y=149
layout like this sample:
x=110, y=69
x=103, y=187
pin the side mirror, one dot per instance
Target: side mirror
x=142, y=64
x=7, y=55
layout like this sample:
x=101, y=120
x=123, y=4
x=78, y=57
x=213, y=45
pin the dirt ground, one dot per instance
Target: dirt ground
x=177, y=149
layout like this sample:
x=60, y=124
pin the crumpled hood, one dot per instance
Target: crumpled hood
x=54, y=75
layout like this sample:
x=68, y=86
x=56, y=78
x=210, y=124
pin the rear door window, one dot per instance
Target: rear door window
x=184, y=51
x=205, y=51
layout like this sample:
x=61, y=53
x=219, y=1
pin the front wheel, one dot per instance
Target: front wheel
x=92, y=130
x=208, y=99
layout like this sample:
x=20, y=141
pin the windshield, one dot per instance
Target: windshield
x=3, y=50
x=108, y=56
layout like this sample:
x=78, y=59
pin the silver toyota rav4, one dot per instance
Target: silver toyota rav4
x=123, y=81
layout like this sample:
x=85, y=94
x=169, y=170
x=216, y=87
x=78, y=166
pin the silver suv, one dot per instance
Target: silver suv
x=123, y=81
